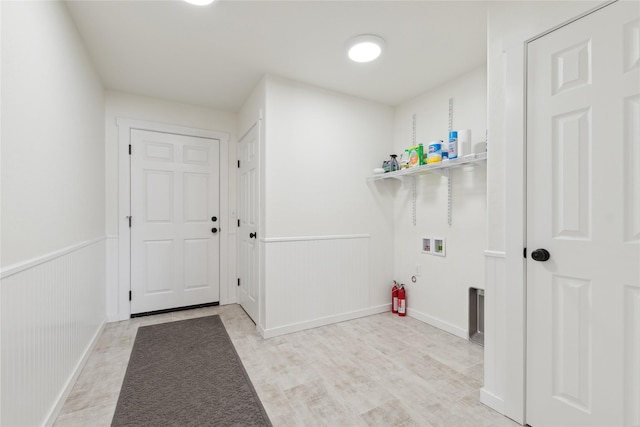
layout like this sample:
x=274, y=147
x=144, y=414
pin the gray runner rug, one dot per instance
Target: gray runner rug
x=187, y=373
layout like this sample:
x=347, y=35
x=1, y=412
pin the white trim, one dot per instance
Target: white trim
x=440, y=324
x=313, y=238
x=494, y=254
x=168, y=128
x=124, y=200
x=62, y=397
x=111, y=279
x=516, y=41
x=297, y=327
x=22, y=266
x=515, y=221
x=229, y=300
x=491, y=400
x=515, y=215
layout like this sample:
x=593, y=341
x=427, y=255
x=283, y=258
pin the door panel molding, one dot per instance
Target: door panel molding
x=125, y=126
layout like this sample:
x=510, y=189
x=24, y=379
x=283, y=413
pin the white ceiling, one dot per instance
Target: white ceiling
x=215, y=55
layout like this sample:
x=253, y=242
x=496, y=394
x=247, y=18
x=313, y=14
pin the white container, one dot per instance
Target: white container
x=464, y=142
x=435, y=152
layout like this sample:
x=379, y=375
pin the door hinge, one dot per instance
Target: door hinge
x=238, y=281
x=238, y=222
x=524, y=252
x=238, y=164
x=129, y=221
x=129, y=295
x=129, y=149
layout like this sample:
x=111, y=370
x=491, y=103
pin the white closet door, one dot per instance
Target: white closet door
x=583, y=207
x=248, y=208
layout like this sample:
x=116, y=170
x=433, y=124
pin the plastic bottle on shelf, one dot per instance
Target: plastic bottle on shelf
x=394, y=163
x=404, y=159
x=453, y=145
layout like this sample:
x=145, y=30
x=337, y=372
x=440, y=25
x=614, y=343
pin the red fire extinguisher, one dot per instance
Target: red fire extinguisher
x=402, y=301
x=394, y=297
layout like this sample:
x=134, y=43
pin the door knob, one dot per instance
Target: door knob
x=214, y=230
x=540, y=255
x=214, y=218
x=252, y=235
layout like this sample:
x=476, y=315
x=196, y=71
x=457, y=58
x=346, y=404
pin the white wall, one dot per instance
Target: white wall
x=319, y=148
x=52, y=134
x=440, y=294
x=52, y=246
x=510, y=24
x=128, y=106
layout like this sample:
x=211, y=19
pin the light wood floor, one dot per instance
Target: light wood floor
x=380, y=370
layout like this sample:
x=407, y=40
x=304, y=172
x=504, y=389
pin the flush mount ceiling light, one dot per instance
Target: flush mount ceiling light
x=365, y=48
x=199, y=2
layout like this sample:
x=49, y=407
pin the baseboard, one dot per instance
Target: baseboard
x=260, y=330
x=297, y=327
x=491, y=400
x=440, y=324
x=57, y=407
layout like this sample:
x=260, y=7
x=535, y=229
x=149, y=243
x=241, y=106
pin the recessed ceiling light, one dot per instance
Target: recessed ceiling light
x=365, y=48
x=199, y=2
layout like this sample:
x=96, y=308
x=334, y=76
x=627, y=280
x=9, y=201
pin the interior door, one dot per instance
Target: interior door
x=248, y=208
x=583, y=207
x=175, y=248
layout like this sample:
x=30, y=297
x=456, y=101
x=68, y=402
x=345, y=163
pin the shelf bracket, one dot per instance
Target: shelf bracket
x=449, y=176
x=414, y=191
x=414, y=195
x=449, y=188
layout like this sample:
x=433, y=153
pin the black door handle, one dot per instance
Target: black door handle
x=214, y=230
x=540, y=255
x=252, y=235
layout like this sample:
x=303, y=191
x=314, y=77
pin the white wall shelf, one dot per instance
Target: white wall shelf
x=441, y=168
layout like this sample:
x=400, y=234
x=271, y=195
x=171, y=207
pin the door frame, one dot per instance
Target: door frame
x=125, y=126
x=515, y=313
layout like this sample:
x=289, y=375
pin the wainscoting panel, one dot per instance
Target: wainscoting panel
x=53, y=309
x=316, y=280
x=492, y=393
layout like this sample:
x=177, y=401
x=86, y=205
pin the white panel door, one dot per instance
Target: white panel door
x=248, y=208
x=175, y=248
x=583, y=207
